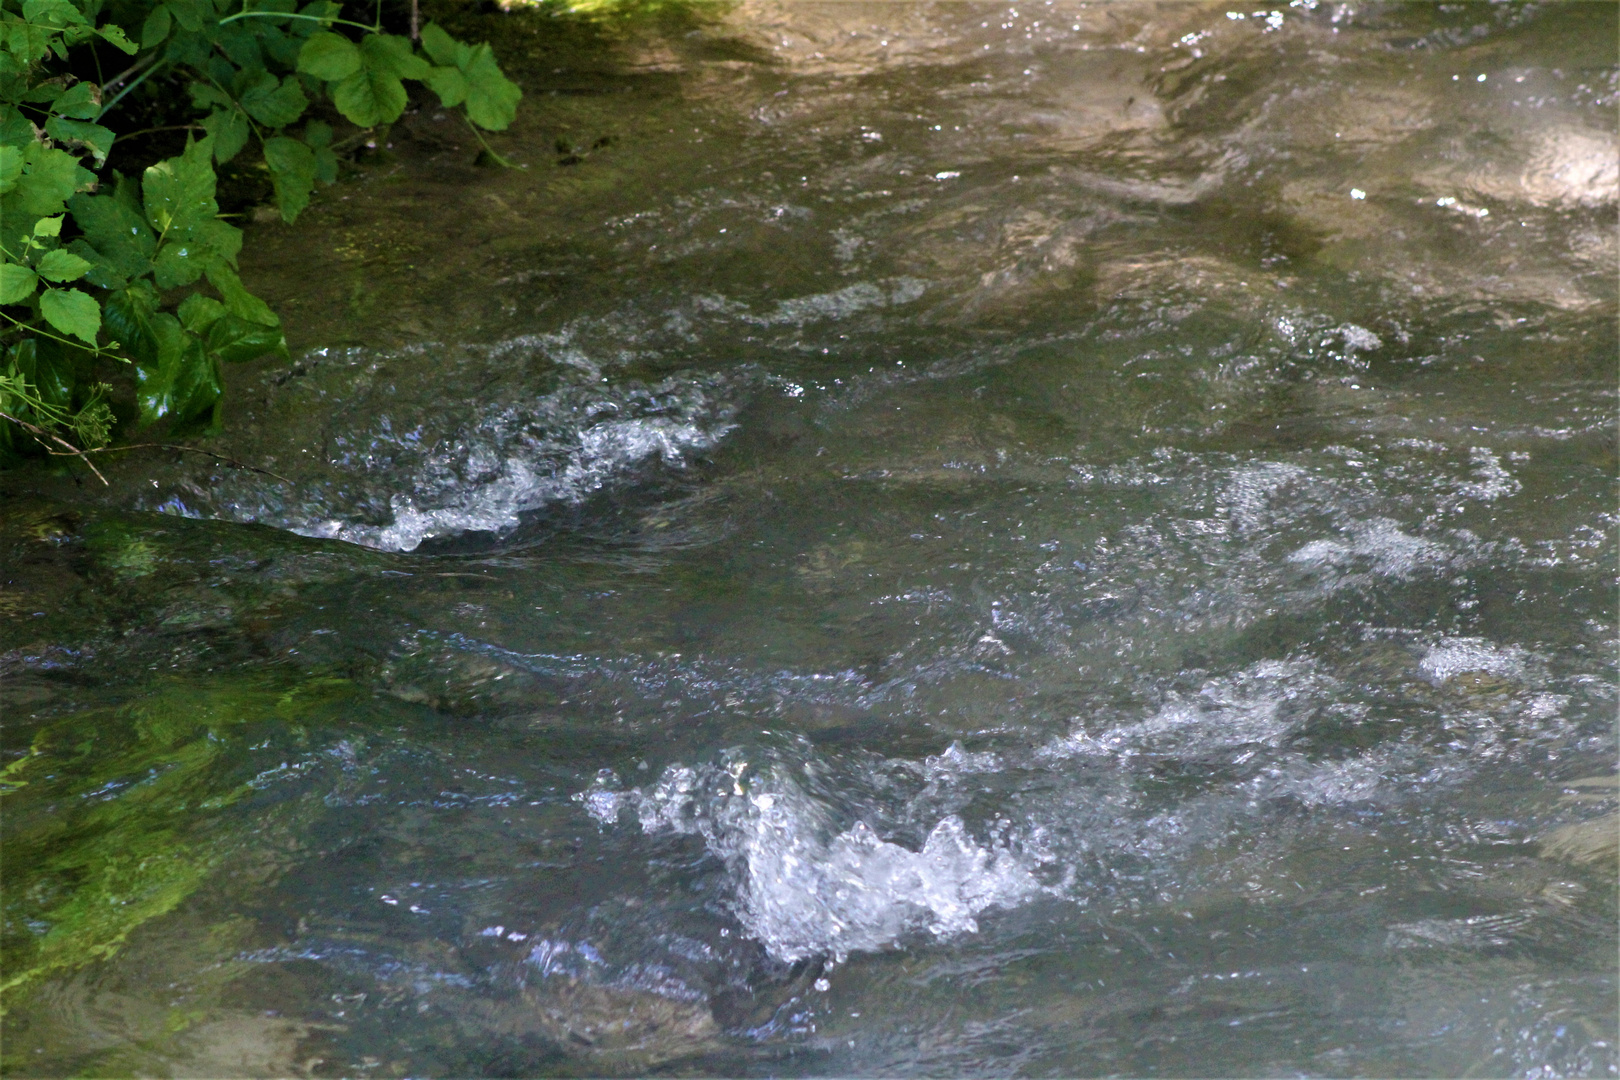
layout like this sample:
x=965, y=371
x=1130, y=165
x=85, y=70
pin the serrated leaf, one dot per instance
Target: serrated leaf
x=61, y=265
x=440, y=46
x=186, y=254
x=206, y=94
x=118, y=232
x=367, y=99
x=103, y=272
x=392, y=56
x=229, y=130
x=450, y=84
x=235, y=340
x=51, y=226
x=492, y=98
x=198, y=312
x=189, y=13
x=15, y=130
x=72, y=312
x=97, y=139
x=330, y=56
x=128, y=315
x=50, y=177
x=56, y=13
x=238, y=301
x=179, y=191
x=275, y=104
x=11, y=164
x=155, y=30
x=17, y=283
x=81, y=101
x=114, y=35
x=292, y=170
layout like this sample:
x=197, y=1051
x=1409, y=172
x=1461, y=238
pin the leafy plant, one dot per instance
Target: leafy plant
x=97, y=267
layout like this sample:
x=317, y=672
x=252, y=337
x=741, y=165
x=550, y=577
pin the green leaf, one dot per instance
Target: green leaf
x=186, y=254
x=391, y=56
x=330, y=56
x=234, y=340
x=56, y=13
x=441, y=46
x=238, y=301
x=318, y=137
x=114, y=35
x=205, y=94
x=15, y=130
x=11, y=164
x=367, y=99
x=197, y=312
x=96, y=138
x=48, y=367
x=155, y=30
x=49, y=179
x=128, y=315
x=274, y=104
x=103, y=272
x=60, y=265
x=190, y=14
x=450, y=84
x=71, y=312
x=180, y=190
x=16, y=283
x=492, y=98
x=179, y=380
x=81, y=101
x=229, y=130
x=118, y=232
x=292, y=170
x=51, y=226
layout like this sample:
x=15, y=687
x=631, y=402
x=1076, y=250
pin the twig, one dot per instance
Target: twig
x=189, y=450
x=416, y=21
x=40, y=435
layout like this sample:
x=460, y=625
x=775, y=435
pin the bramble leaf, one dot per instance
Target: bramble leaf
x=72, y=312
x=292, y=170
x=367, y=99
x=197, y=312
x=272, y=103
x=318, y=137
x=234, y=340
x=229, y=130
x=188, y=253
x=155, y=30
x=61, y=265
x=11, y=165
x=329, y=56
x=238, y=301
x=179, y=191
x=17, y=283
x=98, y=139
x=450, y=84
x=117, y=231
x=81, y=101
x=391, y=55
x=50, y=177
x=492, y=98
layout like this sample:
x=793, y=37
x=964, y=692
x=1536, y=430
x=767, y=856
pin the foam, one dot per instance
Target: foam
x=806, y=888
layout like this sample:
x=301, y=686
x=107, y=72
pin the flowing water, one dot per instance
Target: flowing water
x=908, y=539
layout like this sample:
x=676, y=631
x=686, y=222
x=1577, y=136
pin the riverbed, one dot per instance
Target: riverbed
x=904, y=539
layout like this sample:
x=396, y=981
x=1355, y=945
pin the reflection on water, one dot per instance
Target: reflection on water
x=962, y=538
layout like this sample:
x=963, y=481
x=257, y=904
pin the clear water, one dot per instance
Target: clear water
x=961, y=539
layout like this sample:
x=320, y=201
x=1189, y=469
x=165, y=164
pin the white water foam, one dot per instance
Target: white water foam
x=806, y=888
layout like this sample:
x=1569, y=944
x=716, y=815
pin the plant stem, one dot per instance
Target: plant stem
x=96, y=349
x=105, y=109
x=294, y=15
x=40, y=434
x=488, y=149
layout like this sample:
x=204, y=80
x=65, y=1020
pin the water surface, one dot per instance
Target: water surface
x=966, y=539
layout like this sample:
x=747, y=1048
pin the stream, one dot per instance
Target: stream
x=906, y=539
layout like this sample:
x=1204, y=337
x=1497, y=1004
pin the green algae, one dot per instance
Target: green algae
x=116, y=815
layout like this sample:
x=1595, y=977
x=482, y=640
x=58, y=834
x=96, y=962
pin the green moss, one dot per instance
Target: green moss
x=115, y=816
